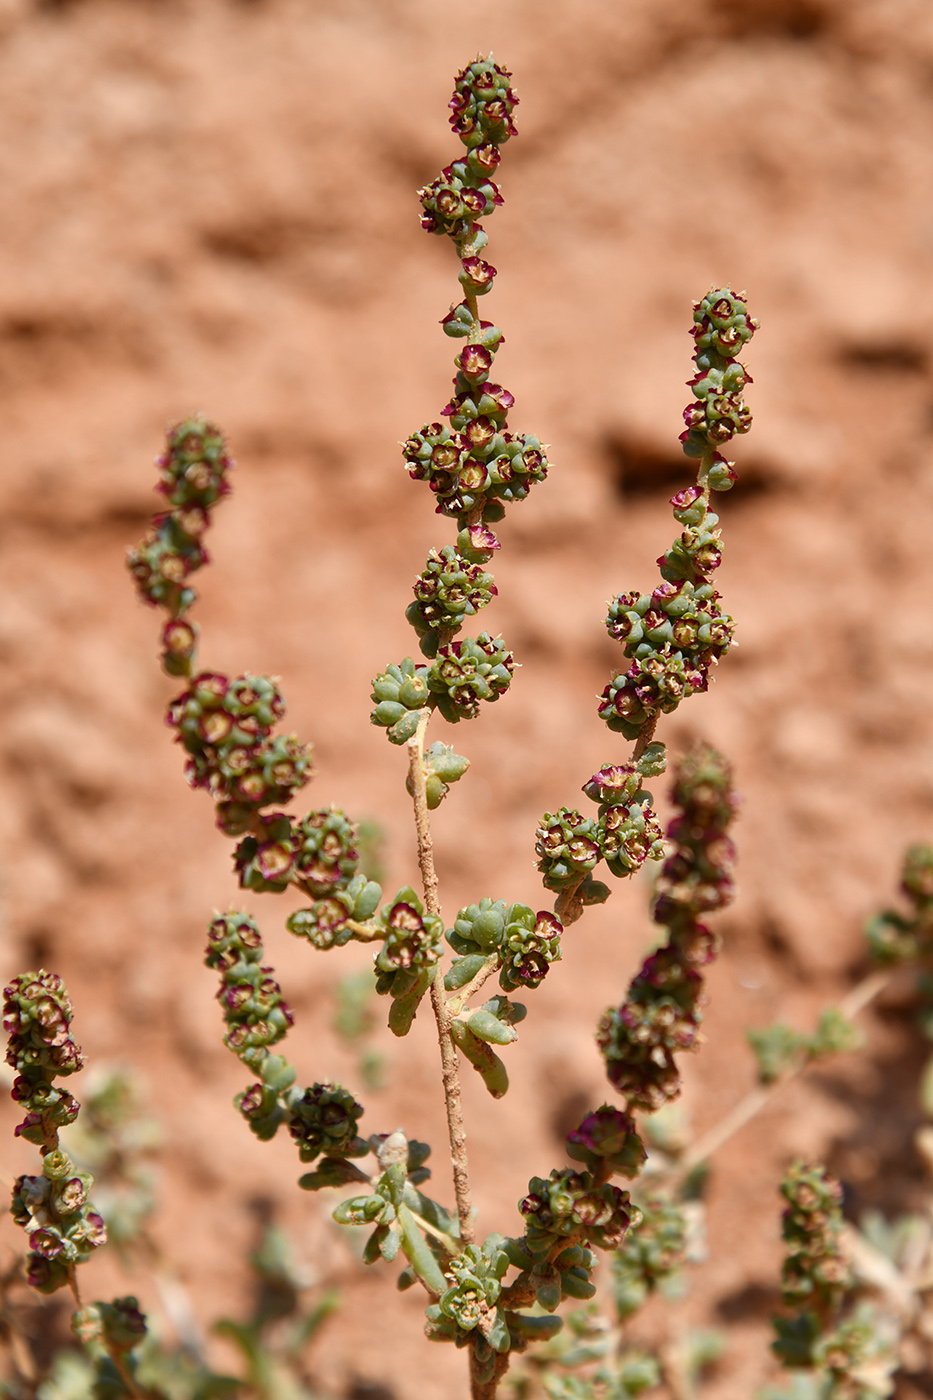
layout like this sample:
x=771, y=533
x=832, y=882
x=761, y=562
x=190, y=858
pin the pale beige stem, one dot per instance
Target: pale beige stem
x=450, y=1068
x=747, y=1108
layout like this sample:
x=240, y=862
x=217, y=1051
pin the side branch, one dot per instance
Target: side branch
x=748, y=1108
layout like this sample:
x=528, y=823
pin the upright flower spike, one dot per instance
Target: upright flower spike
x=849, y=1346
x=815, y=1273
x=661, y=1014
x=193, y=478
x=474, y=465
x=322, y=1118
x=61, y=1224
x=674, y=635
x=671, y=637
x=226, y=725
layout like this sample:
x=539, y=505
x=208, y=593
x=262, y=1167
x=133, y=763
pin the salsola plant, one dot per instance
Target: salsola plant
x=491, y=1295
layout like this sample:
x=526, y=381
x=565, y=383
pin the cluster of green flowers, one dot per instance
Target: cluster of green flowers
x=475, y=1278
x=511, y=939
x=674, y=635
x=226, y=725
x=573, y=1203
x=319, y=853
x=322, y=1119
x=815, y=1273
x=37, y=1018
x=120, y=1325
x=54, y=1209
x=474, y=464
x=895, y=937
x=255, y=1012
x=62, y=1226
x=525, y=942
x=661, y=1013
x=564, y=1215
x=461, y=675
x=448, y=589
x=849, y=1349
x=567, y=1216
x=406, y=961
x=625, y=833
x=225, y=728
x=193, y=478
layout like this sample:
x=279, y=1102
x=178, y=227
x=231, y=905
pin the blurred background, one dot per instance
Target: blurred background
x=210, y=205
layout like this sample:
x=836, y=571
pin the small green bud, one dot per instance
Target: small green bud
x=722, y=476
x=57, y=1165
x=86, y=1323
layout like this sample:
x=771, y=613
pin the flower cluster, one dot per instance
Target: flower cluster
x=815, y=1273
x=895, y=937
x=225, y=726
x=571, y=1203
x=448, y=589
x=851, y=1350
x=721, y=329
x=333, y=921
x=62, y=1226
x=476, y=1283
x=406, y=961
x=318, y=853
x=193, y=478
x=226, y=729
x=324, y=1121
x=474, y=465
x=460, y=676
x=54, y=1209
x=37, y=1019
x=661, y=1013
x=120, y=1325
x=564, y=1215
x=607, y=1140
x=321, y=1119
x=569, y=846
x=412, y=939
x=255, y=1012
x=526, y=942
x=625, y=833
x=674, y=635
x=464, y=673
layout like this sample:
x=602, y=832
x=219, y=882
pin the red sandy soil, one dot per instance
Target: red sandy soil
x=210, y=205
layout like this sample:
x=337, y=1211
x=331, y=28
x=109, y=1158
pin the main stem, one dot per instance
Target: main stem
x=450, y=1068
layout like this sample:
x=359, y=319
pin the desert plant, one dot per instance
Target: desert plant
x=492, y=1296
x=671, y=636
